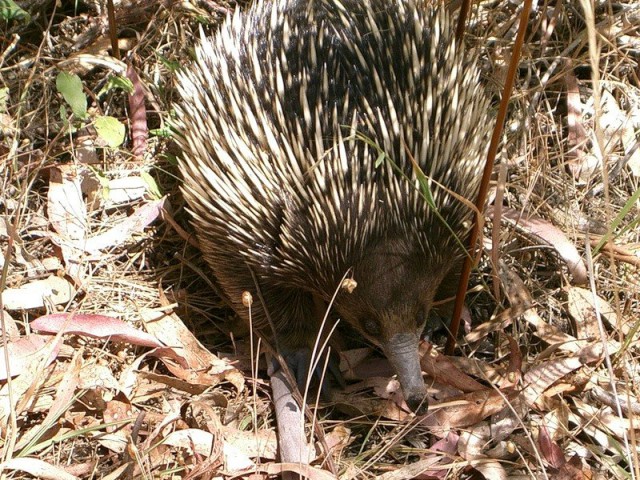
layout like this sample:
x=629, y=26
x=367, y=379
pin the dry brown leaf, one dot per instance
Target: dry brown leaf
x=170, y=381
x=206, y=444
x=53, y=290
x=138, y=114
x=112, y=441
x=65, y=392
x=574, y=470
x=548, y=333
x=445, y=371
x=200, y=366
x=491, y=373
x=428, y=469
x=95, y=376
x=539, y=378
x=471, y=408
x=307, y=471
x=338, y=439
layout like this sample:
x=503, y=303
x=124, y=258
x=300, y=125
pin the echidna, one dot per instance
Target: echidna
x=310, y=130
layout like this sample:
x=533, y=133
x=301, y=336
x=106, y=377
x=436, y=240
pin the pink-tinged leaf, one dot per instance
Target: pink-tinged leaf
x=23, y=352
x=448, y=444
x=137, y=114
x=550, y=450
x=96, y=326
x=548, y=234
x=121, y=232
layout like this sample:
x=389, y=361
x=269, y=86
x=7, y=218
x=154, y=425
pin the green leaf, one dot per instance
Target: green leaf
x=152, y=186
x=9, y=10
x=70, y=86
x=171, y=65
x=110, y=130
x=116, y=83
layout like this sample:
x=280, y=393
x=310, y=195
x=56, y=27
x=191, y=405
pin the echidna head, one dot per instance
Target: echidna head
x=396, y=285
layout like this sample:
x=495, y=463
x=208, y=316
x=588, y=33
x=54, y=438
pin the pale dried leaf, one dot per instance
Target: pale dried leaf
x=582, y=306
x=65, y=205
x=126, y=190
x=65, y=390
x=68, y=216
x=192, y=439
x=53, y=290
x=338, y=439
x=37, y=468
x=12, y=332
x=122, y=231
x=112, y=441
x=260, y=444
x=96, y=376
x=235, y=459
x=604, y=418
x=473, y=441
x=307, y=471
x=491, y=469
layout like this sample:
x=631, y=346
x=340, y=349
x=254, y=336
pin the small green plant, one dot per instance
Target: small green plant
x=108, y=128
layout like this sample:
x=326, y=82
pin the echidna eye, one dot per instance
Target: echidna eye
x=371, y=326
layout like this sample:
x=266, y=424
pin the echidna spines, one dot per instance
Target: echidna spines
x=283, y=116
